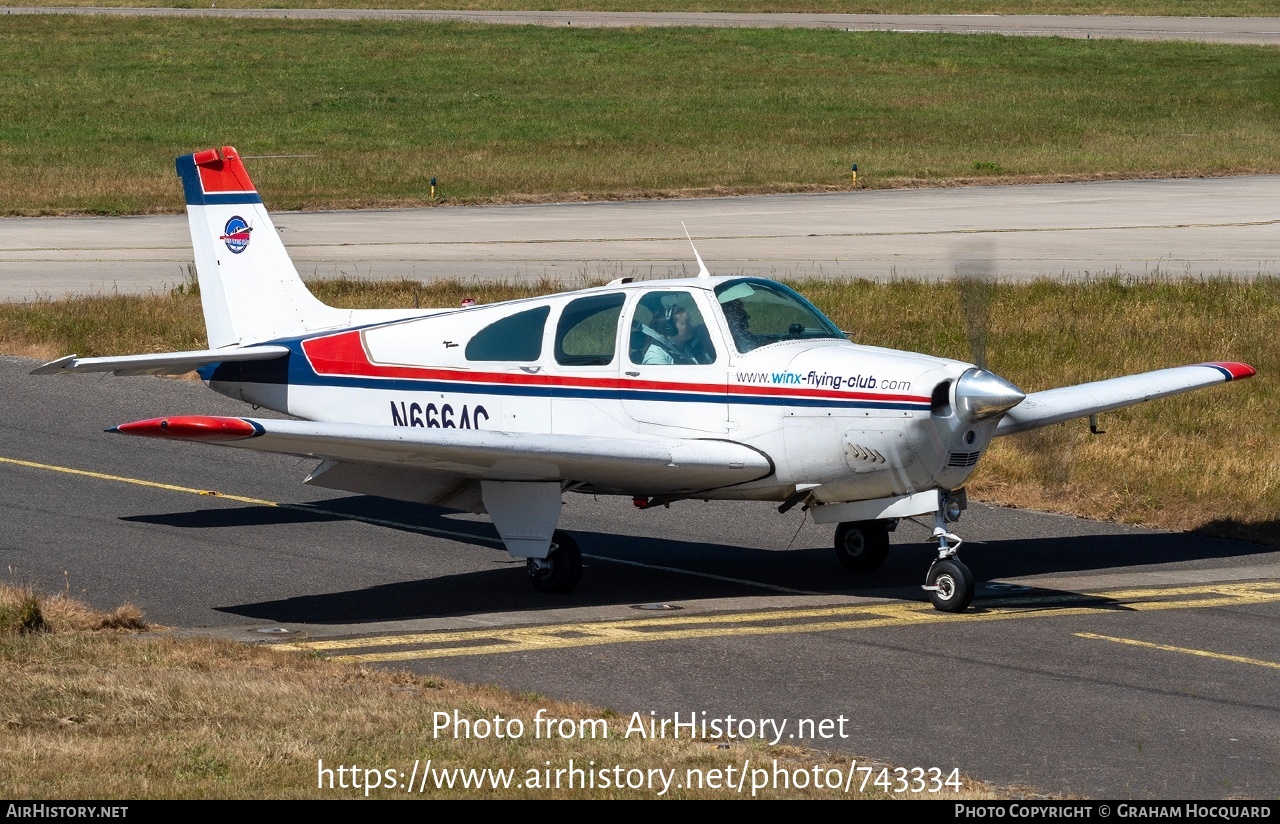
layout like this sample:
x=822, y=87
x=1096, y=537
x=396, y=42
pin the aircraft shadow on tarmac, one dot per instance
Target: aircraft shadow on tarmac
x=628, y=569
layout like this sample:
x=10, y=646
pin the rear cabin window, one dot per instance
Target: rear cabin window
x=514, y=338
x=587, y=334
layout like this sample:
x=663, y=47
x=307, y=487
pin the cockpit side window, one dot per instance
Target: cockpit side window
x=514, y=338
x=587, y=334
x=760, y=312
x=667, y=328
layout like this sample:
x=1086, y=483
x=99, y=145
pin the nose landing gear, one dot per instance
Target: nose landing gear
x=949, y=582
x=950, y=585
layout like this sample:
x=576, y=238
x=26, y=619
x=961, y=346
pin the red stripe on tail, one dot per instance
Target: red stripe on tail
x=221, y=171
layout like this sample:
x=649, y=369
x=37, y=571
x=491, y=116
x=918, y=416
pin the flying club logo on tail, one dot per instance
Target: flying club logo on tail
x=236, y=234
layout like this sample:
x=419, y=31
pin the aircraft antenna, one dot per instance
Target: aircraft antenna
x=703, y=272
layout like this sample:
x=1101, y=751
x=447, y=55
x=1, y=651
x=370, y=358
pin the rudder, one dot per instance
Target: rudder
x=249, y=287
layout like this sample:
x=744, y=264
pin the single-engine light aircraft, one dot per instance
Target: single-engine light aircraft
x=696, y=388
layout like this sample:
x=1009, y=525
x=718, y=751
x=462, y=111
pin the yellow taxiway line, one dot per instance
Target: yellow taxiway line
x=449, y=644
x=1239, y=659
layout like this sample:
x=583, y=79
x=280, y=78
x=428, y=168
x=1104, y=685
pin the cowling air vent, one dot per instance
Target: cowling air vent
x=864, y=454
x=963, y=459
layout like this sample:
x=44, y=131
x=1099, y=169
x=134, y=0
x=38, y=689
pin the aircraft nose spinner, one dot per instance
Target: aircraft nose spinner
x=981, y=394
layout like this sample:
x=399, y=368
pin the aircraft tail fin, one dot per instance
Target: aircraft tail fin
x=249, y=287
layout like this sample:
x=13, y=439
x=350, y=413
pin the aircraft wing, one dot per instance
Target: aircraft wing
x=649, y=466
x=165, y=363
x=1057, y=405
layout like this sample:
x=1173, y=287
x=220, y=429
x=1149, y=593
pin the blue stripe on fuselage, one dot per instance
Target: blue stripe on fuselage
x=295, y=369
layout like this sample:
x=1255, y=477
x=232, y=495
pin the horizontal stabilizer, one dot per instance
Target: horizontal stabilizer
x=639, y=467
x=166, y=363
x=1057, y=405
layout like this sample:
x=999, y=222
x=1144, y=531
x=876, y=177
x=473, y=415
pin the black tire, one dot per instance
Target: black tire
x=862, y=546
x=955, y=585
x=565, y=566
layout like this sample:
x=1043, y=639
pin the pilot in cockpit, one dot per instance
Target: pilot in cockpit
x=674, y=339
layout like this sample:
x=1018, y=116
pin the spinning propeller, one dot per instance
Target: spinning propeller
x=1047, y=449
x=980, y=394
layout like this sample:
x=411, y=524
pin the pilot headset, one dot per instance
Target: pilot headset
x=665, y=323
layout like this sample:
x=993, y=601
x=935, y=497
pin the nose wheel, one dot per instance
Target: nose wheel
x=949, y=582
x=561, y=570
x=949, y=585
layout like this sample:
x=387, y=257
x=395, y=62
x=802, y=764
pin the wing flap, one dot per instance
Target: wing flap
x=1057, y=405
x=165, y=363
x=632, y=466
x=401, y=483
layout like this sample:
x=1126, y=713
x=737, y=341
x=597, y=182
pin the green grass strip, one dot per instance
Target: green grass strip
x=96, y=109
x=1170, y=8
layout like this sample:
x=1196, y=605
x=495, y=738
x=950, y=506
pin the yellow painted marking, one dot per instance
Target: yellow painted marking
x=636, y=628
x=778, y=622
x=1240, y=659
x=102, y=476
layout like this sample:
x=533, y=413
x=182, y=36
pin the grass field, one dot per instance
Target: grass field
x=1174, y=8
x=96, y=109
x=1209, y=460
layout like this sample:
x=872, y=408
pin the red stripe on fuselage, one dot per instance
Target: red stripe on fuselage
x=344, y=355
x=220, y=176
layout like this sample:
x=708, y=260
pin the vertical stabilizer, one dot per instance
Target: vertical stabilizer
x=249, y=287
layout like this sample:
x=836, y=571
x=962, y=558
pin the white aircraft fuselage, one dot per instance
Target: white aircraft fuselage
x=848, y=422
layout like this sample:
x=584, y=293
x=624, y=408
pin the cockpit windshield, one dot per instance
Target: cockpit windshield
x=760, y=312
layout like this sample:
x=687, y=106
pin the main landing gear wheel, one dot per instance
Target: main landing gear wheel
x=950, y=585
x=862, y=546
x=561, y=570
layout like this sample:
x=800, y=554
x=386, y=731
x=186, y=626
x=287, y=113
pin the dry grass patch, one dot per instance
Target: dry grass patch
x=23, y=611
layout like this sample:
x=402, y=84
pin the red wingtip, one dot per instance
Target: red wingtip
x=1236, y=370
x=192, y=428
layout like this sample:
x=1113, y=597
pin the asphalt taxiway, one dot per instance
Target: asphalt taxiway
x=1101, y=660
x=1211, y=227
x=1239, y=30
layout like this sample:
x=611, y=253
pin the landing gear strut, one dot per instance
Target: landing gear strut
x=561, y=570
x=949, y=582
